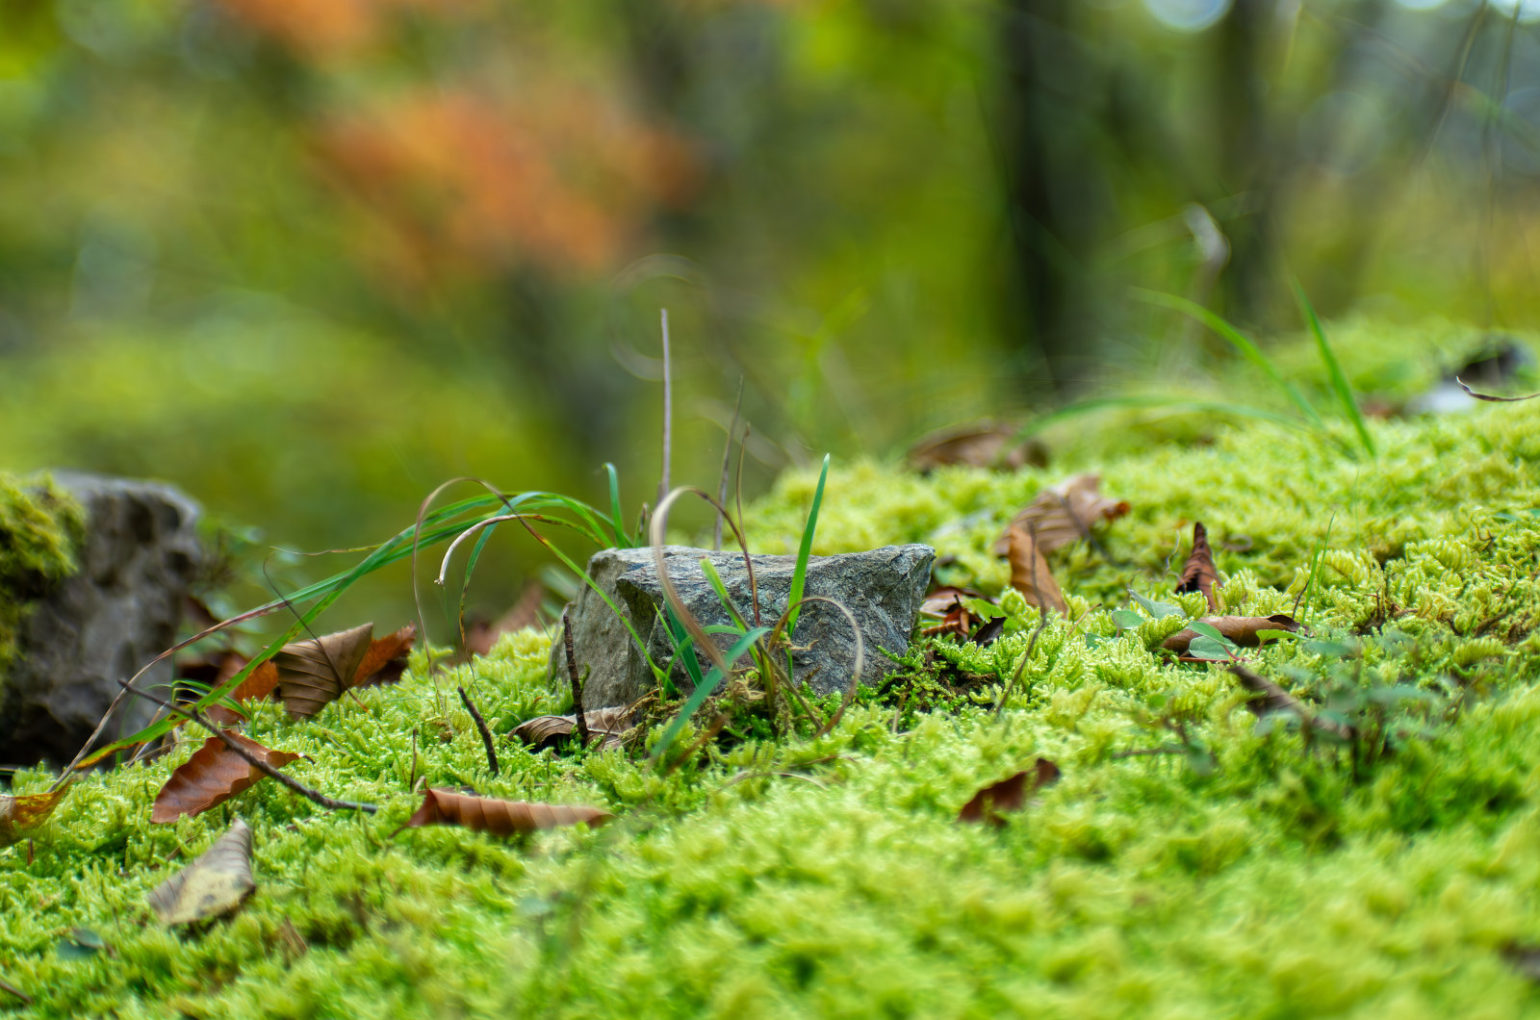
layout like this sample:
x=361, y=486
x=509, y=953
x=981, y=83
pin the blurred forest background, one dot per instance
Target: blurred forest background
x=309, y=258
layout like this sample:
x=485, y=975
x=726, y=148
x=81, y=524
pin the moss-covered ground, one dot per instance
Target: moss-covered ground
x=1235, y=870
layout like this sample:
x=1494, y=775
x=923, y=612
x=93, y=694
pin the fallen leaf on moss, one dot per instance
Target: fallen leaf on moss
x=26, y=811
x=1064, y=514
x=1030, y=574
x=385, y=660
x=480, y=636
x=1243, y=630
x=545, y=731
x=314, y=673
x=213, y=775
x=985, y=445
x=214, y=884
x=993, y=801
x=1199, y=573
x=499, y=817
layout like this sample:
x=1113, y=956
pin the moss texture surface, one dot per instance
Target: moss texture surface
x=1235, y=872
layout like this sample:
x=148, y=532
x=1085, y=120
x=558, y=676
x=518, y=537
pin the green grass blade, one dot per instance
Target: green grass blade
x=805, y=550
x=617, y=517
x=1238, y=340
x=1339, y=383
x=710, y=570
x=703, y=690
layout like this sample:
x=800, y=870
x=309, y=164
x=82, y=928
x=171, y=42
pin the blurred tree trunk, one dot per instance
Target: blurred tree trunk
x=1052, y=203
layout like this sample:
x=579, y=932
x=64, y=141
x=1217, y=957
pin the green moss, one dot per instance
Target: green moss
x=39, y=529
x=1235, y=872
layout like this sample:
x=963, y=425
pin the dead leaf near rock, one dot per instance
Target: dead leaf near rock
x=1064, y=513
x=984, y=444
x=22, y=813
x=1030, y=574
x=215, y=884
x=548, y=731
x=1245, y=631
x=213, y=775
x=1199, y=572
x=1010, y=794
x=499, y=817
x=314, y=673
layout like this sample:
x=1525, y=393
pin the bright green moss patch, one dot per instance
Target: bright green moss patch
x=1189, y=863
x=39, y=527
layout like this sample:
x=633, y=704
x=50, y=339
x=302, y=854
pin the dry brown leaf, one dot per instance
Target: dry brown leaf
x=1199, y=573
x=214, y=884
x=545, y=731
x=499, y=817
x=1030, y=574
x=217, y=670
x=313, y=673
x=985, y=445
x=480, y=636
x=26, y=811
x=1243, y=630
x=1275, y=699
x=990, y=803
x=1064, y=514
x=212, y=776
x=385, y=660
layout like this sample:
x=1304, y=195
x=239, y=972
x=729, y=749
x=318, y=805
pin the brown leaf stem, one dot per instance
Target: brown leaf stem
x=6, y=986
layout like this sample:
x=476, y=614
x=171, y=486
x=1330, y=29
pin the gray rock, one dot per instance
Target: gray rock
x=882, y=588
x=119, y=610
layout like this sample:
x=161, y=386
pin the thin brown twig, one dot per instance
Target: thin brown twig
x=294, y=784
x=6, y=986
x=481, y=726
x=577, y=684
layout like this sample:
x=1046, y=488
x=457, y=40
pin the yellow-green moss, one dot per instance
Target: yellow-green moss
x=1243, y=874
x=39, y=528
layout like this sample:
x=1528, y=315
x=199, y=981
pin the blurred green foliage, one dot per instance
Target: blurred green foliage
x=308, y=258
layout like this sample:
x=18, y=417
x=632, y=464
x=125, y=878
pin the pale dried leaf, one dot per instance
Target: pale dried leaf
x=545, y=731
x=214, y=884
x=23, y=812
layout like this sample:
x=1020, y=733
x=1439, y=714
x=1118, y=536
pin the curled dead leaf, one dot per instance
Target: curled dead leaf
x=1199, y=573
x=23, y=812
x=1010, y=794
x=214, y=884
x=985, y=445
x=544, y=731
x=1030, y=574
x=1243, y=630
x=212, y=776
x=499, y=817
x=314, y=673
x=1064, y=514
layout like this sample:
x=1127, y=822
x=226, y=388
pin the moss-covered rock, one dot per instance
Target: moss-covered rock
x=1190, y=862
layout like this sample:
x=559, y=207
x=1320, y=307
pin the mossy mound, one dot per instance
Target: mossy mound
x=1190, y=862
x=40, y=527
